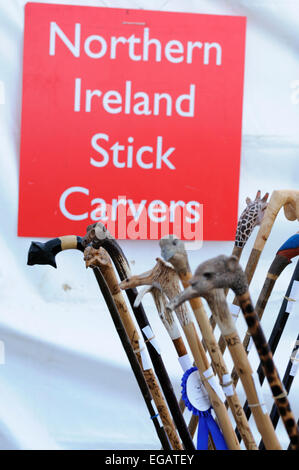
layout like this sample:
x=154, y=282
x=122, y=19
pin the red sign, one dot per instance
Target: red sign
x=131, y=116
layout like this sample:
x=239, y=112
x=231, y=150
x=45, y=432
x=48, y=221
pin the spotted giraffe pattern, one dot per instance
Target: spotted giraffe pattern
x=250, y=218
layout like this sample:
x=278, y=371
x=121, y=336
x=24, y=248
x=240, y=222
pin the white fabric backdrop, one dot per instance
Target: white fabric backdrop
x=66, y=382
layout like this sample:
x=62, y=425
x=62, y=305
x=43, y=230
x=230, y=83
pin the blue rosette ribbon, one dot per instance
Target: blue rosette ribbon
x=206, y=422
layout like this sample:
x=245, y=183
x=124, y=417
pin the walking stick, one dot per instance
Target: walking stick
x=289, y=250
x=250, y=218
x=283, y=257
x=98, y=258
x=290, y=446
x=217, y=302
x=173, y=250
x=167, y=319
x=169, y=322
x=223, y=272
x=98, y=235
x=281, y=320
x=43, y=254
x=164, y=276
x=289, y=200
x=288, y=378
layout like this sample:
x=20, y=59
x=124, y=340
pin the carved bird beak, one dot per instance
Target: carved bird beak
x=187, y=294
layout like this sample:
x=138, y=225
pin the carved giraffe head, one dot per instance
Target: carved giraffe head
x=250, y=218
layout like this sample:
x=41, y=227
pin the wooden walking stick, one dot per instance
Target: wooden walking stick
x=217, y=303
x=45, y=253
x=98, y=258
x=169, y=322
x=167, y=319
x=250, y=218
x=173, y=250
x=98, y=235
x=288, y=378
x=289, y=200
x=164, y=276
x=291, y=296
x=224, y=272
x=290, y=445
x=172, y=329
x=283, y=258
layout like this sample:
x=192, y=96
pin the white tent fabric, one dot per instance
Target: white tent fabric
x=65, y=382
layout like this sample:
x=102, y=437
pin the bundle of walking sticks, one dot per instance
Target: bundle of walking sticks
x=219, y=420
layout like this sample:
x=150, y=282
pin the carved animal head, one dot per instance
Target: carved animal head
x=220, y=272
x=251, y=217
x=96, y=234
x=94, y=258
x=173, y=250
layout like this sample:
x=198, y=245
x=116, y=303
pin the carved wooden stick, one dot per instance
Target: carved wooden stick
x=154, y=416
x=45, y=253
x=223, y=272
x=98, y=258
x=173, y=250
x=171, y=327
x=283, y=257
x=278, y=327
x=217, y=303
x=287, y=380
x=251, y=217
x=98, y=235
x=166, y=317
x=289, y=200
x=164, y=276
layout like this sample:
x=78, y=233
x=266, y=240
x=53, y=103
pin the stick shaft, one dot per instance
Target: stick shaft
x=219, y=364
x=44, y=253
x=277, y=330
x=131, y=357
x=122, y=267
x=277, y=266
x=287, y=382
x=269, y=367
x=217, y=303
x=202, y=364
x=110, y=278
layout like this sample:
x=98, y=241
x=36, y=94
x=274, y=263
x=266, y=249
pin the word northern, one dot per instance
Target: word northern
x=138, y=48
